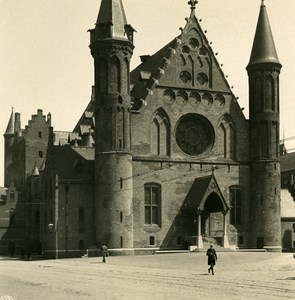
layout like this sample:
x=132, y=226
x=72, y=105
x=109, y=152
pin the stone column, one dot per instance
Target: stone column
x=225, y=237
x=199, y=235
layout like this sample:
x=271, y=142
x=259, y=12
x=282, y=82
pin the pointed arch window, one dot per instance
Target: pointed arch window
x=115, y=74
x=160, y=134
x=258, y=101
x=227, y=137
x=269, y=94
x=102, y=75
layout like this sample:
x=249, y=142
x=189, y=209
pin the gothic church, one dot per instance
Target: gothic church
x=162, y=157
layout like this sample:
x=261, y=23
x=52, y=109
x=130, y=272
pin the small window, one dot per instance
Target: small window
x=293, y=244
x=121, y=241
x=40, y=134
x=293, y=227
x=152, y=241
x=40, y=154
x=121, y=216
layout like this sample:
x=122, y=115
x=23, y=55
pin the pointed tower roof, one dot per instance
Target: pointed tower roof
x=10, y=126
x=263, y=49
x=111, y=21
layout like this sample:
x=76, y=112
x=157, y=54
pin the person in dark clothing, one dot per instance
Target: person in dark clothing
x=105, y=253
x=212, y=258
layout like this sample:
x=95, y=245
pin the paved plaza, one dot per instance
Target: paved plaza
x=238, y=275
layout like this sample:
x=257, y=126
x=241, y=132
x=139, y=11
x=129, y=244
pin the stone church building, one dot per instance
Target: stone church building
x=162, y=157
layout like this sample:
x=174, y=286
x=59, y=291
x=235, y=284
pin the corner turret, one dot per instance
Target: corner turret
x=263, y=71
x=112, y=47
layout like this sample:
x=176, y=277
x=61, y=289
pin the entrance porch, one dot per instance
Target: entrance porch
x=205, y=211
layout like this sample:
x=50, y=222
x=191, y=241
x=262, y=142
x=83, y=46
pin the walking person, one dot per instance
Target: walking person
x=105, y=252
x=212, y=258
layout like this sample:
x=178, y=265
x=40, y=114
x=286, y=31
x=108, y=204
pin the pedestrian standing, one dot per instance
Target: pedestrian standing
x=212, y=258
x=105, y=252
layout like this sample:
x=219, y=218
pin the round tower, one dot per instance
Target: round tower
x=263, y=71
x=112, y=47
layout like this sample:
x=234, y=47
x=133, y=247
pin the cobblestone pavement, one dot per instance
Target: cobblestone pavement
x=162, y=276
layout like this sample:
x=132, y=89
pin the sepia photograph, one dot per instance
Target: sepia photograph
x=147, y=150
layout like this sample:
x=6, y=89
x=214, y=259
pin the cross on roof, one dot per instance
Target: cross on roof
x=193, y=3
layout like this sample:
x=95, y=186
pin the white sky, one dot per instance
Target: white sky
x=45, y=61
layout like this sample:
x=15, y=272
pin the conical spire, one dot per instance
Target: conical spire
x=263, y=50
x=10, y=126
x=111, y=21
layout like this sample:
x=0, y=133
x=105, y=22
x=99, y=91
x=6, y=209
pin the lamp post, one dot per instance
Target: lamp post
x=53, y=228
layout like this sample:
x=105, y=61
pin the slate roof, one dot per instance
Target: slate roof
x=74, y=162
x=154, y=66
x=263, y=50
x=197, y=192
x=288, y=162
x=200, y=190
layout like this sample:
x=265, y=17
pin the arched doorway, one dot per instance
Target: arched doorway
x=212, y=217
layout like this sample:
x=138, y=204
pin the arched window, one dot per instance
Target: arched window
x=160, y=134
x=102, y=75
x=126, y=73
x=120, y=127
x=115, y=74
x=258, y=101
x=152, y=203
x=235, y=202
x=228, y=137
x=269, y=94
x=223, y=140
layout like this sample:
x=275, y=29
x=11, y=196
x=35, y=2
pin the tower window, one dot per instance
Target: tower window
x=152, y=204
x=40, y=134
x=235, y=197
x=121, y=241
x=121, y=216
x=40, y=154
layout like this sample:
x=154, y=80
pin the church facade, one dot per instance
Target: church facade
x=162, y=157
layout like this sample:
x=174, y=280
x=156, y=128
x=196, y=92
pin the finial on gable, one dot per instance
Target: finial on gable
x=262, y=3
x=193, y=3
